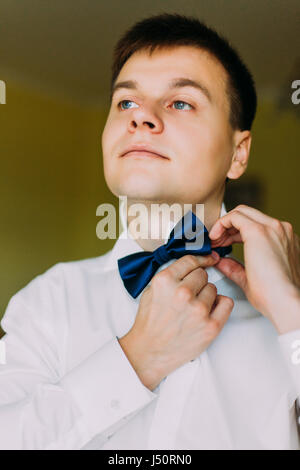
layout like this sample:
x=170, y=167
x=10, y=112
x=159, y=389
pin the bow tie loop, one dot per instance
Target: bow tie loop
x=161, y=255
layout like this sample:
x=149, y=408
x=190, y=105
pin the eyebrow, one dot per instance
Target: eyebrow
x=174, y=83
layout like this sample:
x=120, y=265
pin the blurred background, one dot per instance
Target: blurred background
x=55, y=58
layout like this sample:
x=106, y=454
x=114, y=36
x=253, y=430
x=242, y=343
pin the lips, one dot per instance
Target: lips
x=144, y=153
x=143, y=150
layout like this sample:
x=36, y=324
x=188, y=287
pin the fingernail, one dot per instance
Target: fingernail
x=215, y=255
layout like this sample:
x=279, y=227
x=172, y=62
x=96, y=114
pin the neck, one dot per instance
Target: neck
x=150, y=222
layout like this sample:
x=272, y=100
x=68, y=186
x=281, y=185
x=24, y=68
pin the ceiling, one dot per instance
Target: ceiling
x=64, y=47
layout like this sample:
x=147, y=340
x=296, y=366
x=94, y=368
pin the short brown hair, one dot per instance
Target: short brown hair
x=167, y=30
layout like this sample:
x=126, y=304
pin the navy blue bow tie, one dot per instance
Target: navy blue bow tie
x=137, y=269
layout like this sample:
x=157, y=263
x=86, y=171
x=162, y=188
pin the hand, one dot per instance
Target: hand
x=179, y=315
x=271, y=275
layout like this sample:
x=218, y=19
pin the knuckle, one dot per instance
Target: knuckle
x=277, y=225
x=202, y=310
x=241, y=206
x=183, y=294
x=288, y=226
x=161, y=278
x=258, y=229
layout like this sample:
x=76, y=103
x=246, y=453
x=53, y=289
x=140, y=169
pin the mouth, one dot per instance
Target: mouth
x=143, y=154
x=140, y=150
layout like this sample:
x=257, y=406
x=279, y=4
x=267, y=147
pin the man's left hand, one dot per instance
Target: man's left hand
x=270, y=277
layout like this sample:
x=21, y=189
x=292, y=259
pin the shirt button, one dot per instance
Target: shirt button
x=115, y=404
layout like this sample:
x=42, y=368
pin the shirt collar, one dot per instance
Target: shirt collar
x=126, y=244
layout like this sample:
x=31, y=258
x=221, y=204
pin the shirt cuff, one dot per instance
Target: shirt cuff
x=106, y=388
x=290, y=347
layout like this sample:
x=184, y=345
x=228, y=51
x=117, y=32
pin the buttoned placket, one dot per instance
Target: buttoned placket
x=168, y=413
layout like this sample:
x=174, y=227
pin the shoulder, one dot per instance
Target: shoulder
x=48, y=291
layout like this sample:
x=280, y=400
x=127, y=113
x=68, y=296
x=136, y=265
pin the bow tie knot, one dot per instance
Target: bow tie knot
x=137, y=269
x=161, y=255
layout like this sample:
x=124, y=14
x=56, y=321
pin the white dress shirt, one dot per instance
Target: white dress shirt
x=67, y=383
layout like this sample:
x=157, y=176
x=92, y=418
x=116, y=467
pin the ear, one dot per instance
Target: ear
x=240, y=157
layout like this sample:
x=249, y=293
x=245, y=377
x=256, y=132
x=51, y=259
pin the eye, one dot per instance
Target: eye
x=126, y=102
x=181, y=104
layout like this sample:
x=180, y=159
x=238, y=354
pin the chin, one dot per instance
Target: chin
x=144, y=195
x=139, y=189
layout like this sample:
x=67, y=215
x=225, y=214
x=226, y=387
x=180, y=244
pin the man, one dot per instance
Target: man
x=207, y=355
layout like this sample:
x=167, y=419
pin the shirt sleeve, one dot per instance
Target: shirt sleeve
x=290, y=347
x=41, y=408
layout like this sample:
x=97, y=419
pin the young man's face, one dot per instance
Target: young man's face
x=181, y=123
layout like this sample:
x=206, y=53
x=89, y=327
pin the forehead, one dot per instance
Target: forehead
x=153, y=72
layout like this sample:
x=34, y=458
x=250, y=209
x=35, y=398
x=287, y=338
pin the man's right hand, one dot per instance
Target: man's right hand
x=179, y=315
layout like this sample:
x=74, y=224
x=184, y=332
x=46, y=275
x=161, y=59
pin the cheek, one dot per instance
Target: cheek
x=204, y=149
x=196, y=133
x=194, y=144
x=113, y=128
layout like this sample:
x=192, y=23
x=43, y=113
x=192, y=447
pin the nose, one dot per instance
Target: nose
x=142, y=119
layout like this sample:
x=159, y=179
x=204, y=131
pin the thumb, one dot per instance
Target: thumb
x=234, y=270
x=208, y=260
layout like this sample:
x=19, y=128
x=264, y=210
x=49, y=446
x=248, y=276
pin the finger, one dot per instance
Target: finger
x=234, y=219
x=297, y=246
x=222, y=310
x=234, y=270
x=256, y=215
x=207, y=296
x=227, y=239
x=294, y=250
x=288, y=229
x=195, y=280
x=186, y=264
